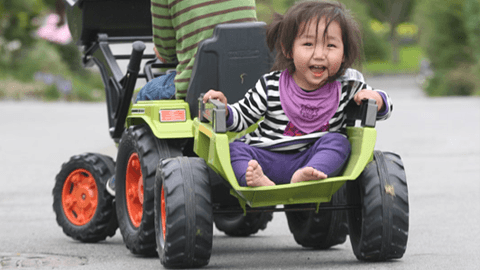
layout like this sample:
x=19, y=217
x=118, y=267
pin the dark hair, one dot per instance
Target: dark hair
x=281, y=33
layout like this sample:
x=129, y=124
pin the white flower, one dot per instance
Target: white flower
x=13, y=45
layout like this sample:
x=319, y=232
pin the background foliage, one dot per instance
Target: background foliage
x=34, y=68
x=398, y=35
x=392, y=12
x=450, y=36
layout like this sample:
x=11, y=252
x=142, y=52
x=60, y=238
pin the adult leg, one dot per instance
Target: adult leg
x=162, y=87
x=328, y=156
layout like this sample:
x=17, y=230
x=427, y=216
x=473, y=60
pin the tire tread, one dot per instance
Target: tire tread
x=104, y=222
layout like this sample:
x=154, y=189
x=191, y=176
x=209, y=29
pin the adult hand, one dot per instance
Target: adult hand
x=158, y=55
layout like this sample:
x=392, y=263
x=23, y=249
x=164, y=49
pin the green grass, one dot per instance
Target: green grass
x=410, y=58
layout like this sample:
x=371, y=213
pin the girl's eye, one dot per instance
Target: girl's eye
x=331, y=45
x=308, y=44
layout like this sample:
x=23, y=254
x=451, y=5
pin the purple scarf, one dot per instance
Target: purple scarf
x=308, y=111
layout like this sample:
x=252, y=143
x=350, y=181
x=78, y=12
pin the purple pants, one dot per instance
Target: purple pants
x=329, y=155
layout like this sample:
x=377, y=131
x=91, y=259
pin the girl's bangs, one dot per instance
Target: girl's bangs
x=316, y=15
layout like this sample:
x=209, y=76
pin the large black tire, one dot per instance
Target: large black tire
x=83, y=207
x=320, y=230
x=240, y=225
x=183, y=213
x=379, y=230
x=138, y=154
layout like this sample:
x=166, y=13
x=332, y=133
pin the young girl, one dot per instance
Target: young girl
x=302, y=136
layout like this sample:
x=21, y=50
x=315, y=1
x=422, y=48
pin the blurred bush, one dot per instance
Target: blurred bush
x=408, y=33
x=449, y=36
x=31, y=67
x=472, y=25
x=18, y=18
x=266, y=8
x=375, y=44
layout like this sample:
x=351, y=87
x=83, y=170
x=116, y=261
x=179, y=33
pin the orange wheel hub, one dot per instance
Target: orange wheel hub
x=134, y=190
x=79, y=197
x=164, y=214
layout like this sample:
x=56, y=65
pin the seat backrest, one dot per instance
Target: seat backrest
x=231, y=61
x=116, y=18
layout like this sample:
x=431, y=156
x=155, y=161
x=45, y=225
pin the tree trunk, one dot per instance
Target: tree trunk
x=395, y=44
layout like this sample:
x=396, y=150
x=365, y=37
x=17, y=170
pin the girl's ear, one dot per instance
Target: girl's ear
x=287, y=55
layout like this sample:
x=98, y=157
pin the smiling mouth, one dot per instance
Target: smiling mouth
x=317, y=70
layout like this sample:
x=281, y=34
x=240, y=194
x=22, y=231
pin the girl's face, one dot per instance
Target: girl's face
x=315, y=58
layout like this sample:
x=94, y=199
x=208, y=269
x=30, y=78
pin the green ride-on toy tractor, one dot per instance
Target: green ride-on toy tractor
x=173, y=174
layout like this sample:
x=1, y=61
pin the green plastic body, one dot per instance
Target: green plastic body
x=214, y=149
x=149, y=112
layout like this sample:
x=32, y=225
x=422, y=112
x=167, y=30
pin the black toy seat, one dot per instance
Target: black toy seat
x=115, y=18
x=231, y=61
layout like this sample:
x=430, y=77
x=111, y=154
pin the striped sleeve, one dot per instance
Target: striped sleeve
x=352, y=74
x=385, y=114
x=357, y=86
x=163, y=31
x=251, y=108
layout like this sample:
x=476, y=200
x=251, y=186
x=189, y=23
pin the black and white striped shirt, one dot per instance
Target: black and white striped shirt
x=263, y=100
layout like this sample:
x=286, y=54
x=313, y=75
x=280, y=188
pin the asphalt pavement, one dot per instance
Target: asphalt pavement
x=437, y=138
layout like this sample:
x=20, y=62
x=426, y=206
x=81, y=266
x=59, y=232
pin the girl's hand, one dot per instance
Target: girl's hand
x=369, y=94
x=213, y=94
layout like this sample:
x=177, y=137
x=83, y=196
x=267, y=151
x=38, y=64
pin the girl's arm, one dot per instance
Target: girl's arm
x=370, y=94
x=250, y=109
x=384, y=103
x=360, y=90
x=246, y=111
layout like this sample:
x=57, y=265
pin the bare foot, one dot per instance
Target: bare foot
x=307, y=174
x=255, y=176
